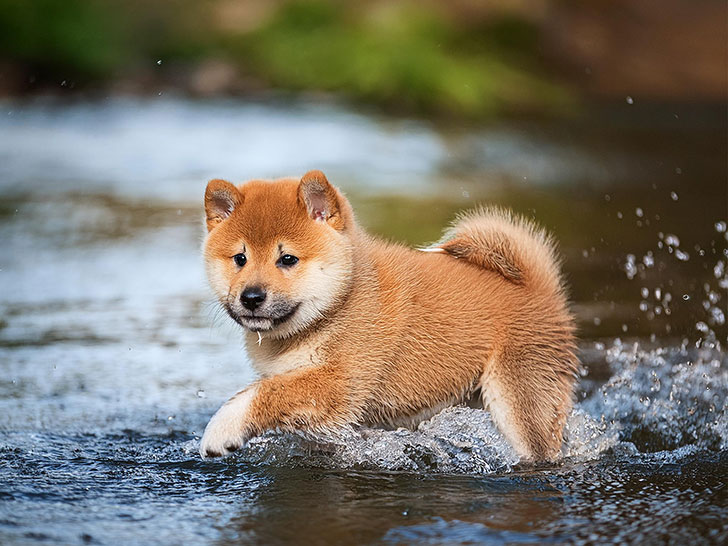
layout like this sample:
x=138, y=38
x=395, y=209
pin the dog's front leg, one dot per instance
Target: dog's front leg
x=310, y=398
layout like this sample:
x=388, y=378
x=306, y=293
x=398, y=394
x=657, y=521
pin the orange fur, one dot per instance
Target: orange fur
x=381, y=334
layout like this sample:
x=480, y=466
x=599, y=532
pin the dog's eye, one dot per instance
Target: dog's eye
x=240, y=260
x=287, y=260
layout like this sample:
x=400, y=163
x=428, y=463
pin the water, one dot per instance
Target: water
x=113, y=356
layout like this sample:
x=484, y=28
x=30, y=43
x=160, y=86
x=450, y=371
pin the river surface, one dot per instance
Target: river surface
x=113, y=354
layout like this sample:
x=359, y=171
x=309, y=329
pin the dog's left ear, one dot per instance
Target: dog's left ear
x=322, y=201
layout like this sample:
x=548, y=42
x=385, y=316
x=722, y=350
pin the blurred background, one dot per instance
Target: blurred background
x=603, y=120
x=465, y=59
x=606, y=121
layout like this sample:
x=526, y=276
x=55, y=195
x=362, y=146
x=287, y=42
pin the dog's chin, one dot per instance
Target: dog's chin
x=256, y=324
x=262, y=323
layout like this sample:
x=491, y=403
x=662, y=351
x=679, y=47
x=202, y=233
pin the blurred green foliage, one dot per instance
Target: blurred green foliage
x=63, y=37
x=395, y=55
x=400, y=56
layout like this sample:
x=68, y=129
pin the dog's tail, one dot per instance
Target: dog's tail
x=510, y=245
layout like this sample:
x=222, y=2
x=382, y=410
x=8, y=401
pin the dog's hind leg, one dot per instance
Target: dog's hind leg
x=529, y=400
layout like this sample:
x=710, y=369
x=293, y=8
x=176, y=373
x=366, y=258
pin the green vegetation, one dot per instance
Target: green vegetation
x=400, y=57
x=56, y=37
x=393, y=55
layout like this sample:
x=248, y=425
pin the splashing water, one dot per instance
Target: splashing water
x=666, y=398
x=457, y=440
x=661, y=399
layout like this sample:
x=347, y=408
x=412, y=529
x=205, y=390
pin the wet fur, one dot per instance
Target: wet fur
x=383, y=334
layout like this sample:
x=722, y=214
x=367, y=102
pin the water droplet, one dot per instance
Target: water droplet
x=159, y=61
x=629, y=100
x=673, y=196
x=597, y=321
x=630, y=266
x=717, y=316
x=681, y=255
x=644, y=291
x=720, y=227
x=619, y=215
x=201, y=394
x=672, y=240
x=639, y=212
x=713, y=297
x=686, y=297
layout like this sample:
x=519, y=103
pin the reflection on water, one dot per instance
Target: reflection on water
x=113, y=357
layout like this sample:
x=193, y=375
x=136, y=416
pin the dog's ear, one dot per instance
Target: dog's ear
x=321, y=199
x=221, y=198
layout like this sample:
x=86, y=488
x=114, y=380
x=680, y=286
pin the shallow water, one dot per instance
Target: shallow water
x=113, y=357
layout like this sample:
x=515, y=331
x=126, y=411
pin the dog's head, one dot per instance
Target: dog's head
x=278, y=253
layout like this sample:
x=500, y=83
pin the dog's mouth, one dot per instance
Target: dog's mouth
x=262, y=321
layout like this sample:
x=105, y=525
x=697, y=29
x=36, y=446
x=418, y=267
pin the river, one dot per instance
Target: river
x=113, y=354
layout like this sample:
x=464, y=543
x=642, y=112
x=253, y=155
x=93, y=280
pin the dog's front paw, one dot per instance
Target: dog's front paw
x=229, y=429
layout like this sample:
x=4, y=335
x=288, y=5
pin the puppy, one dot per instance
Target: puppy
x=345, y=329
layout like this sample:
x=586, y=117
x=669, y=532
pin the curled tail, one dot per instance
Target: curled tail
x=497, y=240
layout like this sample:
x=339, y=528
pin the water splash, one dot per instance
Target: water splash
x=666, y=398
x=709, y=321
x=656, y=400
x=457, y=440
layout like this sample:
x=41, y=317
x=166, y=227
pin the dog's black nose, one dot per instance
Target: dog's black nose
x=252, y=297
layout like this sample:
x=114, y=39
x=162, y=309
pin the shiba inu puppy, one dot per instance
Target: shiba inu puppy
x=345, y=329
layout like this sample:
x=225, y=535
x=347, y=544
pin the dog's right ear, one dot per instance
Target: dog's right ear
x=221, y=198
